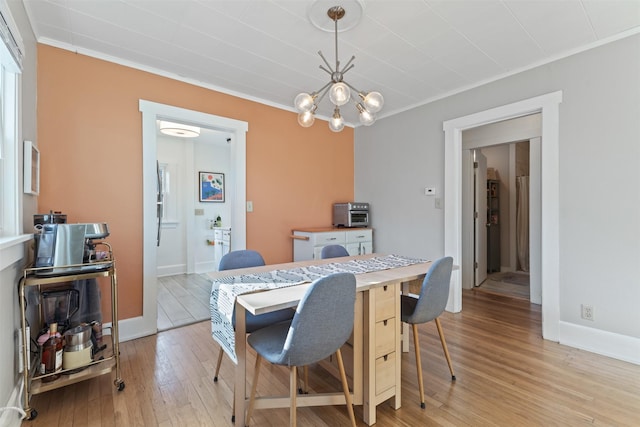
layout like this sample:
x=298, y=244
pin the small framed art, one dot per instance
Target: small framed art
x=31, y=169
x=211, y=187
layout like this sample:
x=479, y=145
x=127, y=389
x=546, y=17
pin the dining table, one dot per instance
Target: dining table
x=372, y=354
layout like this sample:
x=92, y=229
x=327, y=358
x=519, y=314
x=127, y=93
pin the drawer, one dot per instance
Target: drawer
x=330, y=238
x=385, y=337
x=385, y=297
x=385, y=372
x=359, y=236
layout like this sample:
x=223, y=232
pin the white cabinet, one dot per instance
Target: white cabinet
x=359, y=242
x=308, y=243
x=222, y=243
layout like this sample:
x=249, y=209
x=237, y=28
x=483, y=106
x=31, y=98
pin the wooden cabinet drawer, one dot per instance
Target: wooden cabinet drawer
x=385, y=372
x=385, y=337
x=385, y=302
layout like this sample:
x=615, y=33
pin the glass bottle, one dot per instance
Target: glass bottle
x=52, y=354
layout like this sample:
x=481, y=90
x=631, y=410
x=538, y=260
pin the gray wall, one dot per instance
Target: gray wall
x=599, y=197
x=9, y=305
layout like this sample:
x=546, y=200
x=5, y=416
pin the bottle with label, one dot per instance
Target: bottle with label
x=52, y=354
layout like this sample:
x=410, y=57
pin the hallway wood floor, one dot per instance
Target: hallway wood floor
x=506, y=376
x=494, y=284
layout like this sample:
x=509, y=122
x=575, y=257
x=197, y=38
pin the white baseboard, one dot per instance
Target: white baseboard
x=171, y=270
x=133, y=328
x=621, y=347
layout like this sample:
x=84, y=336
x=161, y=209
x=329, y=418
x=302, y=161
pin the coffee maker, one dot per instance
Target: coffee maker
x=68, y=248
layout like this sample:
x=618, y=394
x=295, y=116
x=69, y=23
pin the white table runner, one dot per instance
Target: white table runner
x=224, y=290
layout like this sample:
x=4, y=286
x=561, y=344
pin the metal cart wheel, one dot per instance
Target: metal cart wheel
x=119, y=385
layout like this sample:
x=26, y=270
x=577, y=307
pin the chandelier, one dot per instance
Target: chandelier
x=367, y=104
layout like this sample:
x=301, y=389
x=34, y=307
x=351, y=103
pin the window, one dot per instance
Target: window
x=10, y=67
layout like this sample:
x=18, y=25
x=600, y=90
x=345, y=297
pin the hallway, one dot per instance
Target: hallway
x=511, y=284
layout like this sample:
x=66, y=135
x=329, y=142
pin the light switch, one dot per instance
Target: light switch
x=249, y=206
x=199, y=212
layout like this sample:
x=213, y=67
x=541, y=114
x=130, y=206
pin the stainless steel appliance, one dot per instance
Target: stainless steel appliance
x=63, y=245
x=352, y=214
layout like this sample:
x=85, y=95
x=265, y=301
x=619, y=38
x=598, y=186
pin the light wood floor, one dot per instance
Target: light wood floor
x=506, y=376
x=495, y=285
x=182, y=300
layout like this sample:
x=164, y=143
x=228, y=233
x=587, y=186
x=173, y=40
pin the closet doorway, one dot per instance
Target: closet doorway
x=502, y=223
x=508, y=149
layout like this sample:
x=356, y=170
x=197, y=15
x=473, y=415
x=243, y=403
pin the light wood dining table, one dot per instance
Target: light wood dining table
x=370, y=383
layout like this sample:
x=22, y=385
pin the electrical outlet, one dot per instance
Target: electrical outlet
x=587, y=311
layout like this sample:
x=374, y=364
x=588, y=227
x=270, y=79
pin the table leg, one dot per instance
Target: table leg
x=240, y=394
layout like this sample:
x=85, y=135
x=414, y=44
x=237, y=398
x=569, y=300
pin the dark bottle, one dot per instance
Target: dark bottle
x=52, y=354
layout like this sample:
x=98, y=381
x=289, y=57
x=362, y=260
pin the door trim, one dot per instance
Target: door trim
x=151, y=111
x=548, y=106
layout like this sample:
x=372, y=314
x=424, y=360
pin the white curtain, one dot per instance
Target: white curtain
x=522, y=222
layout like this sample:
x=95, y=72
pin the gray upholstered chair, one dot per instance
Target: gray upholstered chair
x=322, y=324
x=427, y=307
x=244, y=259
x=333, y=251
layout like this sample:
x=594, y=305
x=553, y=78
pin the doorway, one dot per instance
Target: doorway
x=501, y=194
x=546, y=221
x=183, y=259
x=146, y=324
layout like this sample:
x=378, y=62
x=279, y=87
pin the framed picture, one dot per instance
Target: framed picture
x=31, y=169
x=211, y=187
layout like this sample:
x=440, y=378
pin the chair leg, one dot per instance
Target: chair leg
x=416, y=345
x=254, y=385
x=233, y=407
x=345, y=387
x=215, y=377
x=305, y=380
x=444, y=347
x=293, y=382
x=304, y=388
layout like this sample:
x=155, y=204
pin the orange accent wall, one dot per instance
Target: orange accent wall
x=90, y=141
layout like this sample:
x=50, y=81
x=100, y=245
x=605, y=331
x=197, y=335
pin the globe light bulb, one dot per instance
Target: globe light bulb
x=303, y=102
x=339, y=94
x=306, y=119
x=373, y=102
x=336, y=123
x=366, y=117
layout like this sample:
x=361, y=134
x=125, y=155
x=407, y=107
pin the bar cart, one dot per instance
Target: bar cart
x=42, y=277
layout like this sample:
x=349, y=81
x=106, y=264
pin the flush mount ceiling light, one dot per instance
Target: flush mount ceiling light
x=367, y=103
x=179, y=129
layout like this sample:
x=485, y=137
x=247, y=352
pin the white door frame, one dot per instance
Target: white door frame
x=151, y=112
x=548, y=106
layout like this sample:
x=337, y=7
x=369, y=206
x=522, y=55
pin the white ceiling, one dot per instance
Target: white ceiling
x=412, y=51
